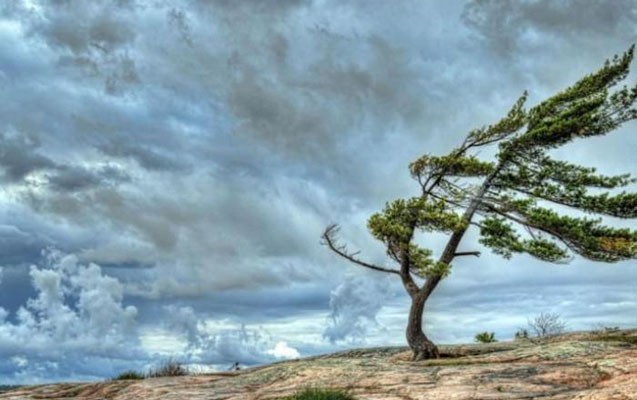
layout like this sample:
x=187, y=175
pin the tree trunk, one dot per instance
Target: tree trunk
x=420, y=345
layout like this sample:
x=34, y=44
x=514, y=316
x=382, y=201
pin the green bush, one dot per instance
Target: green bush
x=129, y=375
x=321, y=394
x=485, y=337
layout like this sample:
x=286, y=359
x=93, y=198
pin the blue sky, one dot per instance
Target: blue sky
x=168, y=166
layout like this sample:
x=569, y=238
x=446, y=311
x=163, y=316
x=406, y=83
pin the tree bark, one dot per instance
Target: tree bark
x=421, y=346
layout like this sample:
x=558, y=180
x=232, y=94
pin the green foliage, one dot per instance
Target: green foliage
x=587, y=237
x=584, y=109
x=452, y=165
x=485, y=337
x=507, y=126
x=395, y=227
x=523, y=178
x=132, y=375
x=395, y=224
x=567, y=184
x=503, y=239
x=321, y=394
x=499, y=235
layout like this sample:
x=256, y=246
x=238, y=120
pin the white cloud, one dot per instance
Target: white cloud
x=282, y=350
x=76, y=314
x=20, y=362
x=355, y=303
x=223, y=343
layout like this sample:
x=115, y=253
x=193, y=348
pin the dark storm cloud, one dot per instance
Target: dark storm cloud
x=18, y=246
x=92, y=37
x=19, y=156
x=146, y=156
x=311, y=114
x=77, y=178
x=508, y=25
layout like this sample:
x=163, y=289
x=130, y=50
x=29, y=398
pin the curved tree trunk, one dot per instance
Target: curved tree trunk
x=420, y=345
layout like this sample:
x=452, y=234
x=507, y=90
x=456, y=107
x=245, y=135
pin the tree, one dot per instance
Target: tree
x=547, y=324
x=517, y=200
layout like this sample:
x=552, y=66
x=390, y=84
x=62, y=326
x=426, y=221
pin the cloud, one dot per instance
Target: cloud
x=282, y=351
x=206, y=129
x=209, y=343
x=76, y=178
x=77, y=326
x=510, y=26
x=97, y=46
x=76, y=315
x=19, y=157
x=355, y=303
x=195, y=150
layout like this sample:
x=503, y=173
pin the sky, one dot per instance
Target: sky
x=167, y=168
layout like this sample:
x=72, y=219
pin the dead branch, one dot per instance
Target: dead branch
x=330, y=240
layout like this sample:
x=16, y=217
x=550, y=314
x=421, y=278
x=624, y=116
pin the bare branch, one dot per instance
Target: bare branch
x=467, y=253
x=330, y=240
x=547, y=324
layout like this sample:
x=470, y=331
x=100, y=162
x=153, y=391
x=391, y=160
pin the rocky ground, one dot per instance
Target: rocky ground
x=590, y=366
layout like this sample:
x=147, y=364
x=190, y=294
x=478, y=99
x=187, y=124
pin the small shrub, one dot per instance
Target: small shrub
x=169, y=368
x=600, y=329
x=485, y=337
x=547, y=324
x=321, y=394
x=521, y=334
x=129, y=375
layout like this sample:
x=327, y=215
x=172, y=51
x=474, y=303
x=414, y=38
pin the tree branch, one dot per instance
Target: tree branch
x=329, y=240
x=467, y=253
x=529, y=226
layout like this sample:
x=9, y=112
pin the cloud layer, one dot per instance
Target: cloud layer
x=76, y=309
x=185, y=155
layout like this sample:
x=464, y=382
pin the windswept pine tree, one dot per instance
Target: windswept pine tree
x=518, y=200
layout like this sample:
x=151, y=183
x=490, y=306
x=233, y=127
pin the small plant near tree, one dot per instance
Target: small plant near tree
x=521, y=334
x=515, y=200
x=129, y=375
x=169, y=368
x=321, y=394
x=485, y=337
x=547, y=324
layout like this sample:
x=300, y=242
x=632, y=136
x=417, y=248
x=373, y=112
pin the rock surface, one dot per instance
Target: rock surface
x=576, y=366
